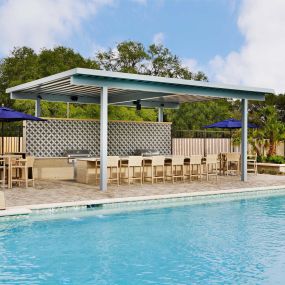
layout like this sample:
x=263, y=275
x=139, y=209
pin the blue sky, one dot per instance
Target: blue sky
x=190, y=28
x=232, y=41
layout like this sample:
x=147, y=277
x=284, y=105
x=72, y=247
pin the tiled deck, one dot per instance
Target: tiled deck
x=47, y=191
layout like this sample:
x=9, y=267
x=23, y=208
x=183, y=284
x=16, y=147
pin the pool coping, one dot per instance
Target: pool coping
x=28, y=209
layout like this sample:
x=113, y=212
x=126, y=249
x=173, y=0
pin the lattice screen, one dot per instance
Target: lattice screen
x=51, y=138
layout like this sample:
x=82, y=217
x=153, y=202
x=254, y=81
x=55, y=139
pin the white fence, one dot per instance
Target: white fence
x=192, y=146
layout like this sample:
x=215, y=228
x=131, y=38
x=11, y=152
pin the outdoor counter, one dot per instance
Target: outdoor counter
x=53, y=168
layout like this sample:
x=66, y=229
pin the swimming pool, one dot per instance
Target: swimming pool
x=229, y=242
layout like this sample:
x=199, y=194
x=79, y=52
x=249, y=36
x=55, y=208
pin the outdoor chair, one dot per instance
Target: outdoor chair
x=133, y=168
x=22, y=171
x=2, y=201
x=252, y=163
x=232, y=163
x=113, y=167
x=176, y=165
x=211, y=166
x=193, y=167
x=2, y=172
x=156, y=165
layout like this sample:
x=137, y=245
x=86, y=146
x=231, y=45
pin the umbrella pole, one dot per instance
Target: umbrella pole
x=2, y=143
x=231, y=142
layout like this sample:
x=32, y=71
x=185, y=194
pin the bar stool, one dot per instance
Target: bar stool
x=156, y=165
x=232, y=159
x=113, y=165
x=23, y=170
x=195, y=161
x=252, y=163
x=133, y=163
x=211, y=166
x=176, y=165
x=2, y=171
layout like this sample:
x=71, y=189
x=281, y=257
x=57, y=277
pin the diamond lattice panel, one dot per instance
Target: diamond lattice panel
x=52, y=138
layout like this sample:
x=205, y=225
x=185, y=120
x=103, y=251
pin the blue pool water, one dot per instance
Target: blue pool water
x=230, y=242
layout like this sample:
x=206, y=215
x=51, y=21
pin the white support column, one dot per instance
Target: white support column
x=244, y=108
x=160, y=114
x=38, y=107
x=103, y=137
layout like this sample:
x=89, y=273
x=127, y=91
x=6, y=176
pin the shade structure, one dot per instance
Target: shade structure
x=229, y=124
x=89, y=86
x=10, y=115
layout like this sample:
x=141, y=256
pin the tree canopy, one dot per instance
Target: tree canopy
x=24, y=65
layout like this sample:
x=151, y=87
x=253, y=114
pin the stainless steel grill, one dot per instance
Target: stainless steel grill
x=147, y=152
x=72, y=154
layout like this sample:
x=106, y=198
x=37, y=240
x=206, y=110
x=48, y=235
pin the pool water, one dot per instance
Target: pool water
x=232, y=242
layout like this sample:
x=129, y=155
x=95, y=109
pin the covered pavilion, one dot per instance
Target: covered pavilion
x=105, y=88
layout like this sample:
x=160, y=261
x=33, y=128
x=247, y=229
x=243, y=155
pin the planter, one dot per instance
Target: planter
x=272, y=168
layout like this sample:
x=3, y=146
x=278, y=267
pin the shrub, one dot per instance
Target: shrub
x=261, y=158
x=278, y=159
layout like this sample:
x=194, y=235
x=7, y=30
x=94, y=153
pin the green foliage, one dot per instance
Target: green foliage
x=275, y=159
x=191, y=116
x=271, y=128
x=24, y=65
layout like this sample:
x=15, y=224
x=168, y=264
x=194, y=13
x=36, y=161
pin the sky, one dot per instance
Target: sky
x=232, y=41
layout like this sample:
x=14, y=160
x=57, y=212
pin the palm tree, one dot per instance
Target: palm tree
x=271, y=129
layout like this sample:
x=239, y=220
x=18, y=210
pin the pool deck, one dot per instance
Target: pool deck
x=49, y=194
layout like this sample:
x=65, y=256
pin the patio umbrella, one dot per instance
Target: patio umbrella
x=10, y=115
x=229, y=124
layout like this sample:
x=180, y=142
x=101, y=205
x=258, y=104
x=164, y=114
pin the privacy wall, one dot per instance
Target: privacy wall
x=53, y=137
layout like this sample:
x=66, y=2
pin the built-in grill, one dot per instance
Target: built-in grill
x=147, y=152
x=72, y=154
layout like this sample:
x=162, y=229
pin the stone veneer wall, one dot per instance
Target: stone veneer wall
x=51, y=138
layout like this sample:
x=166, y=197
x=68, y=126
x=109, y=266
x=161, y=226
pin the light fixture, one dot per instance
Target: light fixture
x=74, y=98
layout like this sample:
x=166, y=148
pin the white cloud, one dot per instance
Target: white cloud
x=191, y=63
x=42, y=23
x=261, y=59
x=158, y=38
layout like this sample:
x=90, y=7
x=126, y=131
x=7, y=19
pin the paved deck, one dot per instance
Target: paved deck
x=47, y=191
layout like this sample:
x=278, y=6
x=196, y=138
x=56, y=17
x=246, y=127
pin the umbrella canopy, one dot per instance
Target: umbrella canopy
x=10, y=115
x=229, y=124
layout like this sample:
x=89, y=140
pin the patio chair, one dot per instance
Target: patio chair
x=252, y=163
x=156, y=165
x=232, y=163
x=112, y=168
x=211, y=166
x=2, y=201
x=2, y=171
x=134, y=169
x=193, y=167
x=176, y=165
x=22, y=171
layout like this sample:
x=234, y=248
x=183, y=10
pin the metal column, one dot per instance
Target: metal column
x=103, y=137
x=244, y=105
x=38, y=107
x=160, y=114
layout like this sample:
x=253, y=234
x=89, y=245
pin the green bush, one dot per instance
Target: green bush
x=278, y=159
x=261, y=158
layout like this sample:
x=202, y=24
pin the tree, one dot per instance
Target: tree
x=24, y=65
x=193, y=116
x=271, y=128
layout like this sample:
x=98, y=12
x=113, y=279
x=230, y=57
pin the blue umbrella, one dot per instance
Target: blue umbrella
x=229, y=124
x=10, y=115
